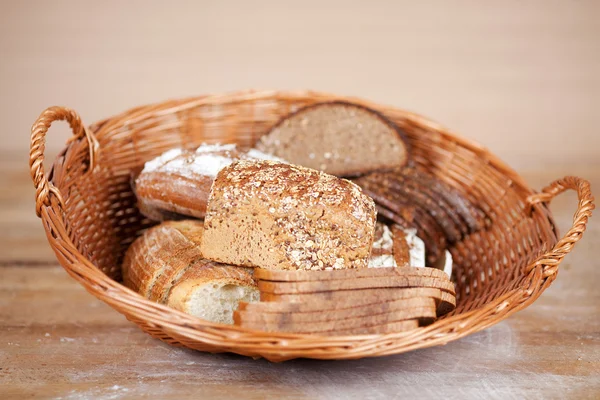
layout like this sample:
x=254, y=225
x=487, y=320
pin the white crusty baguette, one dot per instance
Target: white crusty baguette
x=279, y=216
x=177, y=183
x=339, y=138
x=165, y=265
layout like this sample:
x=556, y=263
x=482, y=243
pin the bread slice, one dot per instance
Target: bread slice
x=349, y=298
x=446, y=301
x=452, y=210
x=398, y=188
x=327, y=315
x=334, y=275
x=178, y=182
x=357, y=283
x=263, y=322
x=274, y=215
x=339, y=138
x=213, y=291
x=166, y=265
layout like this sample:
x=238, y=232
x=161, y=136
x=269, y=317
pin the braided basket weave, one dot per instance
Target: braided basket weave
x=89, y=214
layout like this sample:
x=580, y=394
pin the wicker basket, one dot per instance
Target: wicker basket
x=89, y=214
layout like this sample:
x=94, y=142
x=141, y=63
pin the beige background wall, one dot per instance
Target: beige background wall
x=521, y=77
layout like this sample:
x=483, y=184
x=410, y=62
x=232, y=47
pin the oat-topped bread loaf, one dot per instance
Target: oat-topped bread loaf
x=279, y=216
x=339, y=138
x=178, y=182
x=165, y=265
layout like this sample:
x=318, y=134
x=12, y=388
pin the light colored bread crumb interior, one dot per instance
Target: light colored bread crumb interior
x=217, y=301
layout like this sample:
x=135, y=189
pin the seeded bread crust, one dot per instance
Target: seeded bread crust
x=279, y=216
x=339, y=138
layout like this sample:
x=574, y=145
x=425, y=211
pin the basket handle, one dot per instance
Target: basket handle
x=550, y=260
x=43, y=187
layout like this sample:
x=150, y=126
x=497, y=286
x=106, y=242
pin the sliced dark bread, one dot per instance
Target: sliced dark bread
x=339, y=138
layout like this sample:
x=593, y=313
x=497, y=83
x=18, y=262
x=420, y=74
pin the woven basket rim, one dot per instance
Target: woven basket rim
x=281, y=346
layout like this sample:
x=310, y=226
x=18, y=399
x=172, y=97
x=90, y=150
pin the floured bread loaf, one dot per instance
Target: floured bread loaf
x=396, y=247
x=165, y=265
x=178, y=182
x=339, y=138
x=279, y=216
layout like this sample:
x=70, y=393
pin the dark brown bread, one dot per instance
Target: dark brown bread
x=339, y=138
x=413, y=198
x=402, y=189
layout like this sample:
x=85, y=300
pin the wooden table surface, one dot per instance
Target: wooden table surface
x=58, y=341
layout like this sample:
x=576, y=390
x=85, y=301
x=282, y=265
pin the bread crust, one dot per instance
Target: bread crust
x=363, y=296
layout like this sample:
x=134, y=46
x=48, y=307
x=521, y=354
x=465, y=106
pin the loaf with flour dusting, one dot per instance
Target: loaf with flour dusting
x=274, y=215
x=176, y=184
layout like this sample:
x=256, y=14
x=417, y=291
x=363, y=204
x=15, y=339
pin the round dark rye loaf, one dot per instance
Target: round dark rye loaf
x=408, y=215
x=409, y=186
x=339, y=138
x=471, y=215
